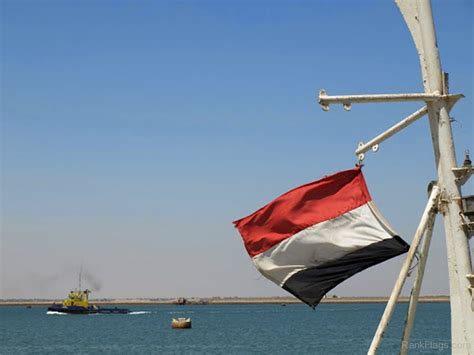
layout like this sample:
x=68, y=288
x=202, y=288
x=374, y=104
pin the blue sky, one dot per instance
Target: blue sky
x=134, y=132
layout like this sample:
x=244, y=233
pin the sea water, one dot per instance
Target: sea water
x=223, y=329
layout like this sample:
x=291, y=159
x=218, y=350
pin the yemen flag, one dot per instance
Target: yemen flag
x=315, y=236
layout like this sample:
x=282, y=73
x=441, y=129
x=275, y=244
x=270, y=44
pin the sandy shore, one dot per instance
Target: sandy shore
x=222, y=300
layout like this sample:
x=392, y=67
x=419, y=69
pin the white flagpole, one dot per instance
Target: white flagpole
x=428, y=215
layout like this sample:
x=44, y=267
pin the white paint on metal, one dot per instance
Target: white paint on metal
x=410, y=15
x=346, y=100
x=424, y=222
x=463, y=174
x=364, y=147
x=415, y=292
x=419, y=18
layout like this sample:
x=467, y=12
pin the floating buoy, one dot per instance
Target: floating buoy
x=181, y=323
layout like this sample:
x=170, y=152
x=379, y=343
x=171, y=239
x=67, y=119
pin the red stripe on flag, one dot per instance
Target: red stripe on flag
x=301, y=208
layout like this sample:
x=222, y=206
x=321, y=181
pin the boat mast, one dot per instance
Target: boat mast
x=80, y=278
x=438, y=102
x=419, y=18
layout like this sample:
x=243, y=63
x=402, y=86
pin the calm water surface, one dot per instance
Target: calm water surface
x=242, y=329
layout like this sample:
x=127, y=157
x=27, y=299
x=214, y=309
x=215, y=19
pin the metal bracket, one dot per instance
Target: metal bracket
x=373, y=144
x=443, y=200
x=453, y=99
x=463, y=174
x=324, y=106
x=468, y=225
x=361, y=156
x=467, y=214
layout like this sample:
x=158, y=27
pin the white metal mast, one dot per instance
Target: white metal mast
x=445, y=195
x=419, y=18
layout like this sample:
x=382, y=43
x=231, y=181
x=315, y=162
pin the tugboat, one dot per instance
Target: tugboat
x=78, y=303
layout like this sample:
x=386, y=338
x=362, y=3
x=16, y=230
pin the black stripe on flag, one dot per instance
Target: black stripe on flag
x=310, y=285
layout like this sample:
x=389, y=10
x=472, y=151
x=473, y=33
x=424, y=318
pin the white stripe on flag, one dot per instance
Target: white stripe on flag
x=320, y=243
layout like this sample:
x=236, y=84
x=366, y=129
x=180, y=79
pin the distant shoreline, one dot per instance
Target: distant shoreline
x=224, y=301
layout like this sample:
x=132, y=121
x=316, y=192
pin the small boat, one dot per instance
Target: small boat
x=181, y=323
x=78, y=303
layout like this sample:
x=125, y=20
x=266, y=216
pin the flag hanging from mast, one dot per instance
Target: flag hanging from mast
x=317, y=235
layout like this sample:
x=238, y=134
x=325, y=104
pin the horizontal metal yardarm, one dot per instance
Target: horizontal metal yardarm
x=325, y=100
x=377, y=97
